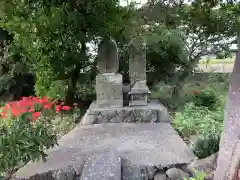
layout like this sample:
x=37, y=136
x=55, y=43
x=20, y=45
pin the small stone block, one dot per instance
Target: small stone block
x=134, y=173
x=109, y=90
x=102, y=167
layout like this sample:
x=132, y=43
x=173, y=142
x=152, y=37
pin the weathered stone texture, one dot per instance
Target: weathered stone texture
x=139, y=94
x=134, y=173
x=152, y=113
x=177, y=174
x=144, y=146
x=109, y=90
x=108, y=57
x=137, y=62
x=106, y=166
x=160, y=176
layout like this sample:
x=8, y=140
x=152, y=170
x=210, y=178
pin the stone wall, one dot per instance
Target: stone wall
x=152, y=113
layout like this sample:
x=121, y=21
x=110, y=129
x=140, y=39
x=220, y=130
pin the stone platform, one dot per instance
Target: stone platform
x=112, y=152
x=152, y=113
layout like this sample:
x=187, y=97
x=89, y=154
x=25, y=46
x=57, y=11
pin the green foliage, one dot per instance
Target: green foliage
x=205, y=26
x=200, y=127
x=207, y=141
x=52, y=37
x=164, y=46
x=199, y=176
x=86, y=91
x=207, y=97
x=22, y=140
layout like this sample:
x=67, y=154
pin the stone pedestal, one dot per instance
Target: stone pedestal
x=154, y=112
x=109, y=90
x=139, y=94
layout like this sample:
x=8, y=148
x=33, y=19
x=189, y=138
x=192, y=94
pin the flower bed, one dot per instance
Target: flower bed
x=26, y=130
x=34, y=105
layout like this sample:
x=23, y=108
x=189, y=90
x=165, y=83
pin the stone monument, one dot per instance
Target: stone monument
x=108, y=82
x=108, y=57
x=108, y=108
x=137, y=72
x=137, y=62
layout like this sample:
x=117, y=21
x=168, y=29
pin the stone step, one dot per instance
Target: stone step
x=93, y=151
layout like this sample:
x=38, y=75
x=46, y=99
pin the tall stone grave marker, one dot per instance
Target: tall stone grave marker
x=108, y=57
x=137, y=62
x=108, y=82
x=137, y=72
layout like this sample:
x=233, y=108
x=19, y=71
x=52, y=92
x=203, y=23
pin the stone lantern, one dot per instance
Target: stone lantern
x=139, y=94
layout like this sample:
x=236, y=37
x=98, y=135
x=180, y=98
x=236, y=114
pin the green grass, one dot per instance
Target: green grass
x=218, y=61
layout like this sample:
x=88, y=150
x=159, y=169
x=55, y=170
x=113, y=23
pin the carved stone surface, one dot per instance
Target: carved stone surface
x=152, y=113
x=108, y=57
x=109, y=90
x=137, y=62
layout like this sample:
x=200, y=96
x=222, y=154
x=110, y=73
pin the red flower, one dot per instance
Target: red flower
x=58, y=108
x=35, y=115
x=66, y=108
x=27, y=104
x=31, y=110
x=24, y=98
x=47, y=106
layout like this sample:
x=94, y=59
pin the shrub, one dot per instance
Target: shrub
x=207, y=139
x=202, y=124
x=86, y=91
x=207, y=97
x=23, y=140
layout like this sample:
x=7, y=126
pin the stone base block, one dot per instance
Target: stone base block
x=109, y=90
x=152, y=113
x=124, y=151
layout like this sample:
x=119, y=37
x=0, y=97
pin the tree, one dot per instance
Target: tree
x=208, y=28
x=228, y=164
x=53, y=37
x=165, y=47
x=13, y=71
x=165, y=52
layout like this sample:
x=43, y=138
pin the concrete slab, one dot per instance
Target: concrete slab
x=141, y=144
